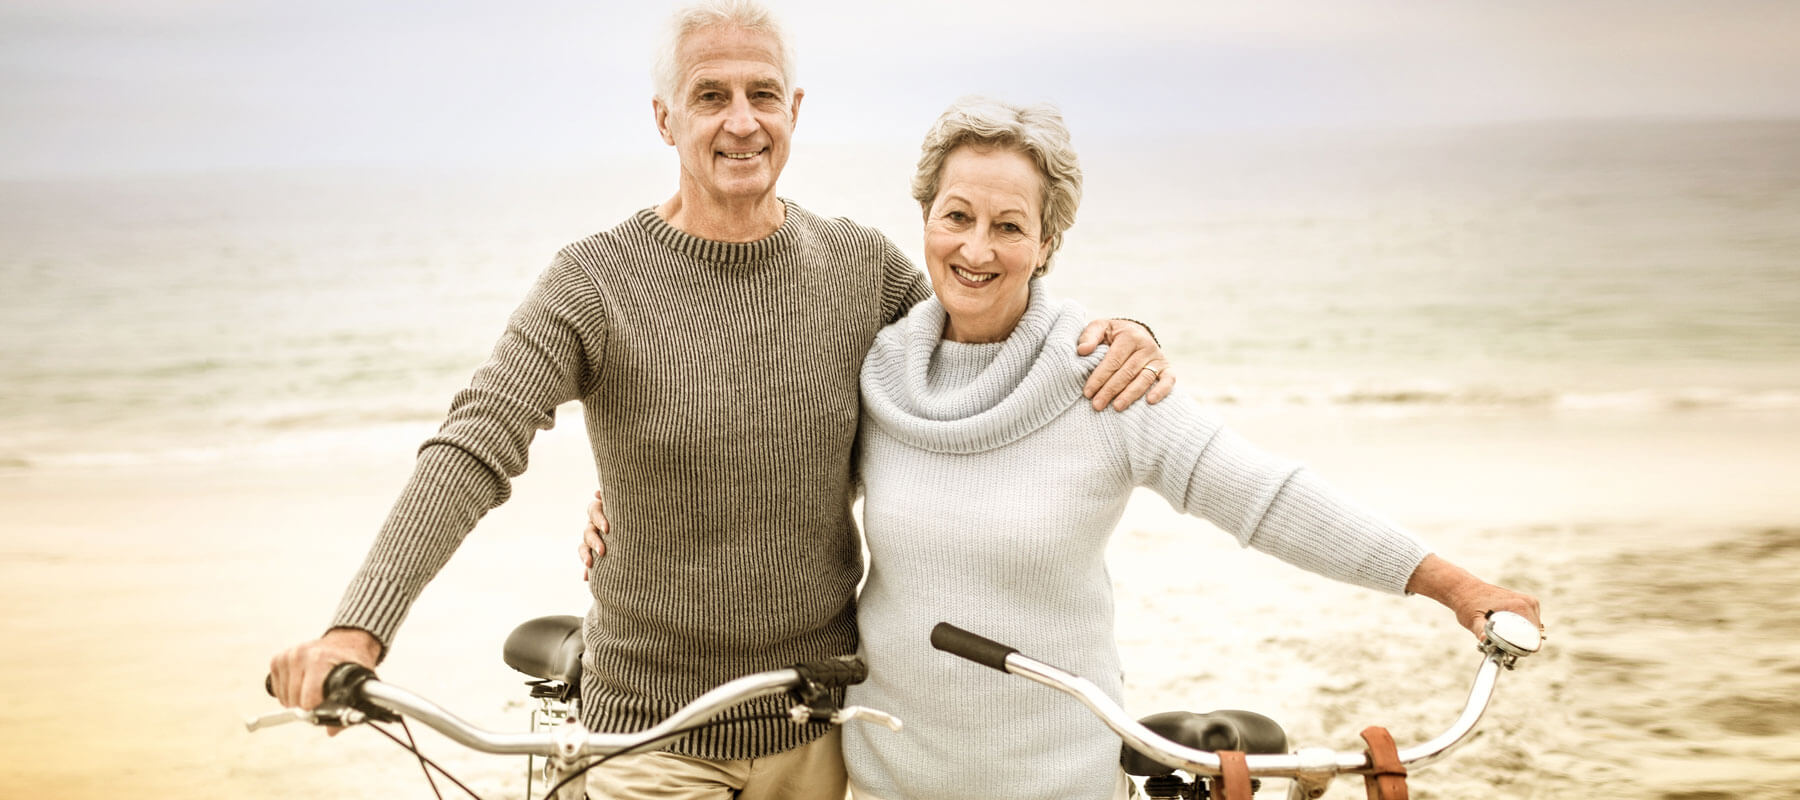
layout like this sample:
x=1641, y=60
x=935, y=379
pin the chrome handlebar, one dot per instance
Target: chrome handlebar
x=570, y=740
x=1508, y=638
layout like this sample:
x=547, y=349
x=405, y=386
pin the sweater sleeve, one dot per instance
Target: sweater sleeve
x=543, y=359
x=903, y=285
x=1278, y=507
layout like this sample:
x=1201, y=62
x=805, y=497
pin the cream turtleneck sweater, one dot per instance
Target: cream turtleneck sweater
x=992, y=488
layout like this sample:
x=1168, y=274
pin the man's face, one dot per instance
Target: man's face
x=731, y=117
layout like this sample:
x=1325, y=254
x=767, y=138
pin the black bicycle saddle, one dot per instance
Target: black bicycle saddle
x=547, y=648
x=1225, y=729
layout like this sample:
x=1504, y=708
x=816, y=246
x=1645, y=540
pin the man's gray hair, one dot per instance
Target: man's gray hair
x=748, y=15
x=1035, y=131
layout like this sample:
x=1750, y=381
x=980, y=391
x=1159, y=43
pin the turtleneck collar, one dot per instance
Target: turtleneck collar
x=965, y=398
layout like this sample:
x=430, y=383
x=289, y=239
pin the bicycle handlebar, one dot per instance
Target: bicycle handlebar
x=1508, y=638
x=354, y=695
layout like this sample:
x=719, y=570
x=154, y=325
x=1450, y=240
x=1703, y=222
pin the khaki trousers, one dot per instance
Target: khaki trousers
x=813, y=771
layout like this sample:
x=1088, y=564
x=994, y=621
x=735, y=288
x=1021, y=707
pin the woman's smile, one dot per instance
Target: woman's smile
x=972, y=278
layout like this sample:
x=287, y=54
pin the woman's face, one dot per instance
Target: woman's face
x=983, y=239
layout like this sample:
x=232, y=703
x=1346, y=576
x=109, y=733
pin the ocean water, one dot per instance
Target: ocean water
x=1604, y=268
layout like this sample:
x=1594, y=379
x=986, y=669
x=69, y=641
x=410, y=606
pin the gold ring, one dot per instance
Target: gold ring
x=1153, y=371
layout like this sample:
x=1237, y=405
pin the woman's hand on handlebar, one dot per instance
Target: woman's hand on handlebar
x=593, y=545
x=1473, y=611
x=1469, y=597
x=297, y=674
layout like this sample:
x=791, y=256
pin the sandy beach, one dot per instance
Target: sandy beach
x=145, y=604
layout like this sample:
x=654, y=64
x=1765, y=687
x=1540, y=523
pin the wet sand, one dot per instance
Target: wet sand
x=142, y=607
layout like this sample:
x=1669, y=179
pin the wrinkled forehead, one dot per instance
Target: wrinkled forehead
x=723, y=53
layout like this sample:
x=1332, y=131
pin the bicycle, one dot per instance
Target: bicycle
x=1226, y=753
x=549, y=650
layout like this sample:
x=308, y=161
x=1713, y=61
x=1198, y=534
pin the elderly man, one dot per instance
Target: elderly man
x=714, y=342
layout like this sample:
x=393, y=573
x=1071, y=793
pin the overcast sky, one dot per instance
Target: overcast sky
x=107, y=85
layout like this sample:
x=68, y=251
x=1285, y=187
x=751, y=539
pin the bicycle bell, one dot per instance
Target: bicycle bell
x=1513, y=634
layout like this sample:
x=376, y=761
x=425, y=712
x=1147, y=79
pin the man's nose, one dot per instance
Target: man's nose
x=740, y=119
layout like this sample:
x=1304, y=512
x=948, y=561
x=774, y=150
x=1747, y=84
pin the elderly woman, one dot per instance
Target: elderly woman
x=991, y=490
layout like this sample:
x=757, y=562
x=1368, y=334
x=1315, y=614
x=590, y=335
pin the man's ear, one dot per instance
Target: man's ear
x=794, y=107
x=662, y=120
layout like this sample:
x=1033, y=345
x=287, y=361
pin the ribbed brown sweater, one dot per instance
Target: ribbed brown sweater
x=719, y=385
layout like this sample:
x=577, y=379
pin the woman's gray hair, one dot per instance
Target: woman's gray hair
x=1035, y=131
x=748, y=15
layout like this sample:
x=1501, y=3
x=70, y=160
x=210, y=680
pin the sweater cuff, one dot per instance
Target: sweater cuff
x=371, y=605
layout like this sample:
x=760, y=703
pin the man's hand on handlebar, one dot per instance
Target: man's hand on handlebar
x=297, y=675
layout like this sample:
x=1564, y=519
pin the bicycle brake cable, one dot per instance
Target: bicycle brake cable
x=423, y=760
x=413, y=744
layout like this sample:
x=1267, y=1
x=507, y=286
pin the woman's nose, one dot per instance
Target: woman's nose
x=977, y=250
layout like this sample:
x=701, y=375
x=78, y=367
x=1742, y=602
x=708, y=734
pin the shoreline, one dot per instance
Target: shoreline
x=1614, y=465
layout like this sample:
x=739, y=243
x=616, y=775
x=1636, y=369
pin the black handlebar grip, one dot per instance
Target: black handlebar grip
x=343, y=684
x=834, y=672
x=983, y=651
